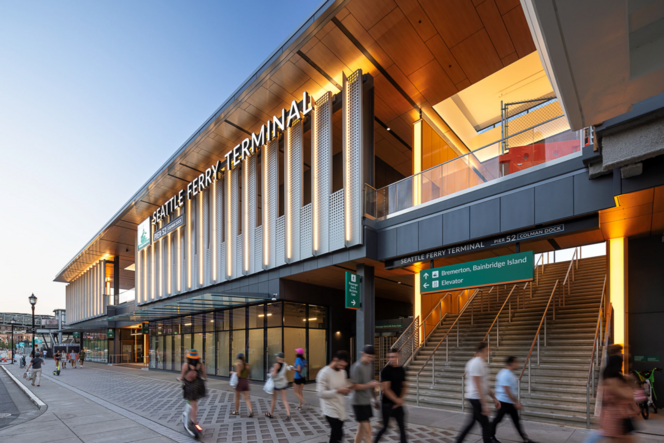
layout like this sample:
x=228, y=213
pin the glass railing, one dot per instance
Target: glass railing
x=127, y=296
x=525, y=149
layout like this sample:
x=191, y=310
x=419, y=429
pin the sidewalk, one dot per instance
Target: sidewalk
x=114, y=403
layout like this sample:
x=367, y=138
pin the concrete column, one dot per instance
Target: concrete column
x=365, y=318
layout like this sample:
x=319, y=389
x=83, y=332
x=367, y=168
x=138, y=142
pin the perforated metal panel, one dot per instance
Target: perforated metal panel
x=337, y=220
x=281, y=237
x=258, y=248
x=270, y=182
x=163, y=266
x=231, y=222
x=249, y=221
x=238, y=256
x=293, y=191
x=219, y=210
x=306, y=236
x=204, y=250
x=222, y=261
x=352, y=157
x=321, y=178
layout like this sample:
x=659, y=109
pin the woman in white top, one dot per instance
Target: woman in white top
x=278, y=373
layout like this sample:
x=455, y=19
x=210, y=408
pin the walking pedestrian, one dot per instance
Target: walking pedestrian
x=74, y=357
x=331, y=387
x=393, y=381
x=36, y=364
x=618, y=405
x=278, y=373
x=300, y=377
x=65, y=359
x=242, y=370
x=506, y=393
x=193, y=377
x=364, y=395
x=477, y=388
x=82, y=357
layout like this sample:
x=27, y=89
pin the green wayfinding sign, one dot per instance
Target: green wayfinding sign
x=76, y=334
x=353, y=299
x=143, y=234
x=497, y=270
x=110, y=333
x=648, y=358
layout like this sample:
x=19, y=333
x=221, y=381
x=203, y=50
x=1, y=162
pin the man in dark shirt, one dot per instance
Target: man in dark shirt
x=36, y=364
x=393, y=381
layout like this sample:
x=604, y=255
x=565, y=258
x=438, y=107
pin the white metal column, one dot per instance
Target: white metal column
x=321, y=172
x=293, y=191
x=352, y=158
x=270, y=192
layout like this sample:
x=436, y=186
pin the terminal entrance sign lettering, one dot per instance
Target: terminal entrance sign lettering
x=648, y=358
x=498, y=270
x=353, y=299
x=170, y=227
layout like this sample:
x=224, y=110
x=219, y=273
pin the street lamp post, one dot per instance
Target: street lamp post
x=33, y=302
x=12, y=321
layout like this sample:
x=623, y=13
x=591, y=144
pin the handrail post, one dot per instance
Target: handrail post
x=529, y=371
x=457, y=332
x=510, y=311
x=447, y=349
x=488, y=358
x=418, y=389
x=498, y=333
x=545, y=329
x=587, y=408
x=472, y=313
x=538, y=353
x=463, y=393
x=433, y=370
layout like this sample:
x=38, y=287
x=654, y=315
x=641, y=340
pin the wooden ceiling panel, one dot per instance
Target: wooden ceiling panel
x=401, y=42
x=433, y=83
x=439, y=49
x=328, y=62
x=262, y=99
x=517, y=26
x=289, y=77
x=657, y=223
x=402, y=129
x=370, y=12
x=456, y=20
x=343, y=14
x=628, y=227
x=636, y=198
x=355, y=28
x=406, y=84
x=507, y=5
x=580, y=239
x=477, y=56
x=494, y=25
x=463, y=84
x=347, y=52
x=658, y=205
x=390, y=154
x=314, y=74
x=418, y=18
x=382, y=111
x=511, y=58
x=243, y=119
x=390, y=95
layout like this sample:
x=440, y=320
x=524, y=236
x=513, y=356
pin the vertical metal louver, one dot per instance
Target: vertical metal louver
x=270, y=182
x=293, y=191
x=321, y=173
x=352, y=158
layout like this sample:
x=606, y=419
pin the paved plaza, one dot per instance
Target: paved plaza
x=100, y=403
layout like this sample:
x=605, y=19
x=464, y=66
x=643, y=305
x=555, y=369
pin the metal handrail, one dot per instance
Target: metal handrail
x=433, y=354
x=573, y=264
x=591, y=368
x=537, y=268
x=440, y=319
x=497, y=320
x=414, y=329
x=536, y=339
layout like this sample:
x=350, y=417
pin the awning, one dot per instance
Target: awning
x=196, y=304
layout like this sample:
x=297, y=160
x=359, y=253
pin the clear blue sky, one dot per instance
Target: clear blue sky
x=94, y=97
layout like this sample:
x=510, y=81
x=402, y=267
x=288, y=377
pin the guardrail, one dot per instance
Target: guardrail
x=496, y=321
x=594, y=357
x=439, y=306
x=408, y=342
x=470, y=302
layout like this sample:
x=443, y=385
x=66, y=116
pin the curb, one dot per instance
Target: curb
x=33, y=398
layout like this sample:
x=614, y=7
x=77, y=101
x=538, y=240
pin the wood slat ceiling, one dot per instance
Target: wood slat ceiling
x=430, y=49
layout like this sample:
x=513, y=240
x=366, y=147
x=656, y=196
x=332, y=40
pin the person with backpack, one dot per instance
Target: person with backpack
x=300, y=377
x=242, y=371
x=278, y=373
x=193, y=378
x=36, y=364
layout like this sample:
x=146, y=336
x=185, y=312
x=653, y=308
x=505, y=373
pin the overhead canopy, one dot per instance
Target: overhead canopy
x=196, y=304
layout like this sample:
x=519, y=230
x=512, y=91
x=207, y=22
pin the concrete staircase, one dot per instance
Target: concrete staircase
x=558, y=383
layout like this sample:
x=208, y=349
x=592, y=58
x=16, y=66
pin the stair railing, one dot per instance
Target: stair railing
x=537, y=268
x=496, y=321
x=408, y=342
x=445, y=339
x=574, y=264
x=536, y=340
x=439, y=307
x=594, y=357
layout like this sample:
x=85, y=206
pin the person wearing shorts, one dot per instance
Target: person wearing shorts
x=364, y=387
x=300, y=378
x=278, y=373
x=242, y=370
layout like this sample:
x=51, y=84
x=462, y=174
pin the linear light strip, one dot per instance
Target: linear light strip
x=179, y=258
x=189, y=244
x=245, y=218
x=229, y=225
x=214, y=229
x=152, y=262
x=315, y=166
x=200, y=237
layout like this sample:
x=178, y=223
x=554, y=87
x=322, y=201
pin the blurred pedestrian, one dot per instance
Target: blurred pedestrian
x=82, y=357
x=506, y=393
x=364, y=395
x=332, y=386
x=74, y=357
x=300, y=368
x=36, y=364
x=278, y=373
x=242, y=370
x=618, y=405
x=393, y=381
x=477, y=388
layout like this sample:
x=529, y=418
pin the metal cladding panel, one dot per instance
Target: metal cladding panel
x=137, y=276
x=249, y=218
x=162, y=265
x=306, y=234
x=270, y=182
x=293, y=190
x=352, y=157
x=232, y=223
x=238, y=256
x=204, y=250
x=321, y=177
x=222, y=261
x=281, y=244
x=258, y=248
x=172, y=263
x=219, y=230
x=337, y=220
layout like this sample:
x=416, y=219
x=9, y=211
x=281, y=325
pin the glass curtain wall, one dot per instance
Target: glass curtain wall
x=257, y=331
x=95, y=345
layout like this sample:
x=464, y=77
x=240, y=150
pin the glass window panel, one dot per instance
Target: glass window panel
x=317, y=317
x=168, y=352
x=273, y=346
x=239, y=344
x=186, y=346
x=273, y=314
x=295, y=338
x=223, y=344
x=177, y=352
x=198, y=323
x=160, y=328
x=256, y=354
x=239, y=318
x=294, y=315
x=210, y=352
x=187, y=325
x=256, y=316
x=154, y=351
x=198, y=343
x=317, y=352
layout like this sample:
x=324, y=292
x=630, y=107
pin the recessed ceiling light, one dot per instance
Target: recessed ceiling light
x=399, y=282
x=387, y=129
